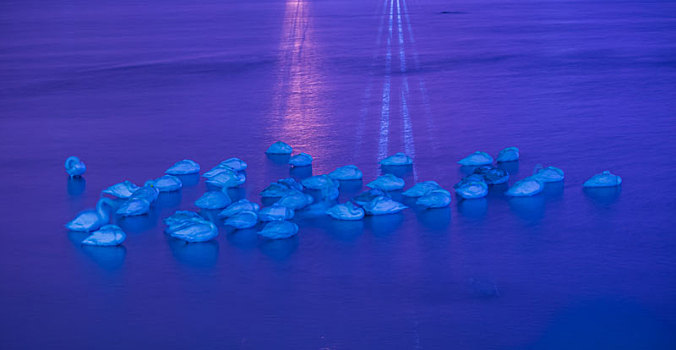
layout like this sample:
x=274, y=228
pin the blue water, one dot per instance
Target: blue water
x=132, y=87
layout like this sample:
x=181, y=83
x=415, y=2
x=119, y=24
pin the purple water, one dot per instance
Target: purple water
x=132, y=87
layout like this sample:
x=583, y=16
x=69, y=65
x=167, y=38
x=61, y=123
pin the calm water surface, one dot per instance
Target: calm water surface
x=132, y=87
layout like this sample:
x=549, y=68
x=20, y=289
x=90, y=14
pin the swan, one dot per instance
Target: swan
x=295, y=200
x=216, y=171
x=147, y=192
x=347, y=211
x=280, y=188
x=302, y=159
x=213, y=200
x=387, y=182
x=235, y=164
x=508, y=154
x=397, y=159
x=330, y=193
x=279, y=230
x=470, y=187
x=291, y=183
x=122, y=190
x=527, y=187
x=180, y=216
x=319, y=182
x=604, y=179
x=367, y=196
x=91, y=219
x=134, y=206
x=421, y=188
x=438, y=198
x=167, y=183
x=75, y=167
x=226, y=178
x=492, y=175
x=184, y=167
x=383, y=205
x=348, y=172
x=548, y=174
x=108, y=235
x=275, y=212
x=239, y=206
x=193, y=230
x=139, y=202
x=477, y=158
x=242, y=220
x=274, y=190
x=279, y=147
x=325, y=184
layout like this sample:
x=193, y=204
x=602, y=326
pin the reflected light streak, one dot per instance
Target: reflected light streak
x=385, y=108
x=409, y=143
x=364, y=112
x=296, y=103
x=421, y=80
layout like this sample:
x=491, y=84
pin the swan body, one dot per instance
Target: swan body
x=279, y=230
x=383, y=205
x=280, y=188
x=180, y=216
x=295, y=200
x=470, y=187
x=275, y=212
x=509, y=154
x=291, y=183
x=239, y=206
x=193, y=230
x=216, y=171
x=438, y=198
x=302, y=159
x=421, y=188
x=367, y=196
x=492, y=175
x=134, y=206
x=235, y=164
x=330, y=193
x=184, y=167
x=227, y=178
x=527, y=187
x=274, y=190
x=347, y=211
x=348, y=172
x=319, y=182
x=75, y=167
x=397, y=159
x=108, y=235
x=242, y=220
x=122, y=190
x=279, y=147
x=325, y=184
x=167, y=183
x=147, y=192
x=387, y=182
x=477, y=158
x=213, y=200
x=92, y=219
x=548, y=174
x=604, y=179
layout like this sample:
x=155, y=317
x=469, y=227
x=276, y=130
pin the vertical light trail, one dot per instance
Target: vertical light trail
x=297, y=97
x=421, y=81
x=409, y=143
x=385, y=108
x=363, y=113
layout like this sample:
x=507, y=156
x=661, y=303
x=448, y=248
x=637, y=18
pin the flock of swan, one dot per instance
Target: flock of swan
x=290, y=195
